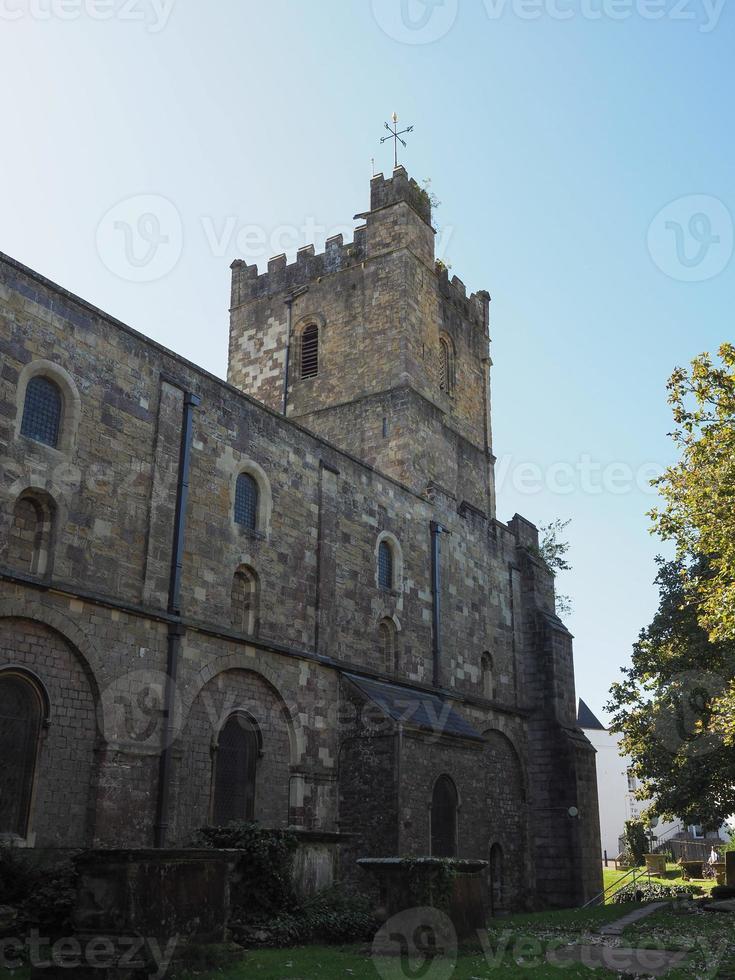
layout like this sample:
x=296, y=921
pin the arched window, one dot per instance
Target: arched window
x=246, y=501
x=497, y=887
x=488, y=677
x=444, y=804
x=245, y=599
x=21, y=717
x=385, y=565
x=236, y=758
x=310, y=351
x=42, y=411
x=446, y=365
x=387, y=638
x=29, y=538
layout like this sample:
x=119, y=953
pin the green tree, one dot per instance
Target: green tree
x=698, y=513
x=671, y=707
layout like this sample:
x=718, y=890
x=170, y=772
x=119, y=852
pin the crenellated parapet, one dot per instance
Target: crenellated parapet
x=285, y=277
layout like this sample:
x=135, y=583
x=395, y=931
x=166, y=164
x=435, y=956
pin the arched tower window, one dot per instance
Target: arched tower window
x=488, y=676
x=387, y=638
x=42, y=411
x=446, y=365
x=444, y=803
x=385, y=565
x=21, y=718
x=245, y=601
x=246, y=501
x=29, y=538
x=310, y=351
x=235, y=763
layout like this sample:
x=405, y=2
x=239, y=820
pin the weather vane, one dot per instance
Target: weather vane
x=395, y=135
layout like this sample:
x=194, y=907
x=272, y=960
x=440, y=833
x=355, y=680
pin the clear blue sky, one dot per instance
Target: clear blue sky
x=552, y=144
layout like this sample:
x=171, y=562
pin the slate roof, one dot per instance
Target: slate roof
x=586, y=718
x=415, y=709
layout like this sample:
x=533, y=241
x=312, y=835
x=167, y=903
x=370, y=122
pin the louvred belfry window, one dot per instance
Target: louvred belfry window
x=310, y=351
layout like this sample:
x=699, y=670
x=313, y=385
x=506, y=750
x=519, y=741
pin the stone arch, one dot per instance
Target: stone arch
x=506, y=806
x=66, y=774
x=71, y=402
x=241, y=661
x=35, y=611
x=230, y=690
x=265, y=495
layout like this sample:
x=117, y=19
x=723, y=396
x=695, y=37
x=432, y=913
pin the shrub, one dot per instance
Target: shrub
x=264, y=884
x=329, y=917
x=42, y=890
x=644, y=891
x=636, y=842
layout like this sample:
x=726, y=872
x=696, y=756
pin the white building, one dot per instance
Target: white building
x=616, y=788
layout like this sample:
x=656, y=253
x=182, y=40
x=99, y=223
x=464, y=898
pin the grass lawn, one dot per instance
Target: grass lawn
x=513, y=947
x=672, y=877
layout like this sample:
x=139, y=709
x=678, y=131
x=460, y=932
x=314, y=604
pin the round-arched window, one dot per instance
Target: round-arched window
x=246, y=501
x=42, y=411
x=444, y=805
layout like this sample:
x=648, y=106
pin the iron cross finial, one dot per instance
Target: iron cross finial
x=395, y=135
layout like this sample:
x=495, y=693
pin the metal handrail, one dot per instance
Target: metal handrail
x=636, y=872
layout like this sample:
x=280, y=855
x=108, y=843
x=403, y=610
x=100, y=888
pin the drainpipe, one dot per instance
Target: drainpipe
x=175, y=630
x=436, y=531
x=289, y=301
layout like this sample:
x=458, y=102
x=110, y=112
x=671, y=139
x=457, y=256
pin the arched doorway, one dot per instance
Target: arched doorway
x=22, y=712
x=236, y=758
x=444, y=804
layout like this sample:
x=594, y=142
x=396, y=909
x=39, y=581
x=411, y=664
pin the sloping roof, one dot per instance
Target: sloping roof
x=587, y=719
x=415, y=709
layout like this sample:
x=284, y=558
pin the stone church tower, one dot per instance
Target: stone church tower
x=402, y=380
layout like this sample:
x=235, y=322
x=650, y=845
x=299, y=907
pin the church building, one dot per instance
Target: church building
x=286, y=597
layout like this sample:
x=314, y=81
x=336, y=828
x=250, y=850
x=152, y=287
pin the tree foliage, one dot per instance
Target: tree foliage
x=672, y=707
x=698, y=513
x=553, y=550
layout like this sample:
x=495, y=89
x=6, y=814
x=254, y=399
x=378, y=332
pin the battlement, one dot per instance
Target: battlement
x=400, y=188
x=474, y=307
x=284, y=277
